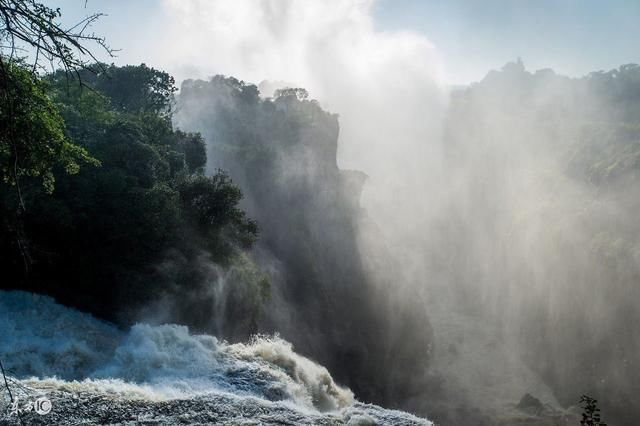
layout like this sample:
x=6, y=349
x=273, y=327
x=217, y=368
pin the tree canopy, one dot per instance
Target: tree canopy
x=136, y=224
x=32, y=134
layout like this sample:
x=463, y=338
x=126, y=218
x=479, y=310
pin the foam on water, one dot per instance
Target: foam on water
x=41, y=338
x=49, y=346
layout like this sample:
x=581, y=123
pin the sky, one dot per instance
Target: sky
x=574, y=37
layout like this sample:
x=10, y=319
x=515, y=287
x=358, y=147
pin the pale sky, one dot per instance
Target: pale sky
x=471, y=37
x=573, y=37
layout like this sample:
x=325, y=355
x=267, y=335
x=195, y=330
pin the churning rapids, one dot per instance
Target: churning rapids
x=94, y=373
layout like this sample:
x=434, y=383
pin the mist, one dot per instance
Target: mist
x=472, y=208
x=467, y=254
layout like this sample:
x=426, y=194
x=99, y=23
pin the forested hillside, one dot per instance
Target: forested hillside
x=125, y=217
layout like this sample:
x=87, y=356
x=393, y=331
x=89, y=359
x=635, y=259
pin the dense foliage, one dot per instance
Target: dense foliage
x=32, y=138
x=104, y=239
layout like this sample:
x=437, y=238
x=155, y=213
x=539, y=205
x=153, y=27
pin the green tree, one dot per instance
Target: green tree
x=32, y=138
x=145, y=224
x=211, y=203
x=137, y=89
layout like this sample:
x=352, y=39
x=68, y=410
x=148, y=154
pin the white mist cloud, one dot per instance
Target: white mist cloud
x=388, y=87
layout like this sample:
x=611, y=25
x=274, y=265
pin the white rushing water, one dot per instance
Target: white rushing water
x=61, y=352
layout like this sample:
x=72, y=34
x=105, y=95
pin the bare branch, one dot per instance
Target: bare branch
x=27, y=25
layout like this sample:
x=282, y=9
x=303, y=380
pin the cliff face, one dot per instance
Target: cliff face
x=282, y=153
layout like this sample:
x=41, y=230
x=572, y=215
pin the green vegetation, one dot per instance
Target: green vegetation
x=97, y=241
x=100, y=196
x=32, y=138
